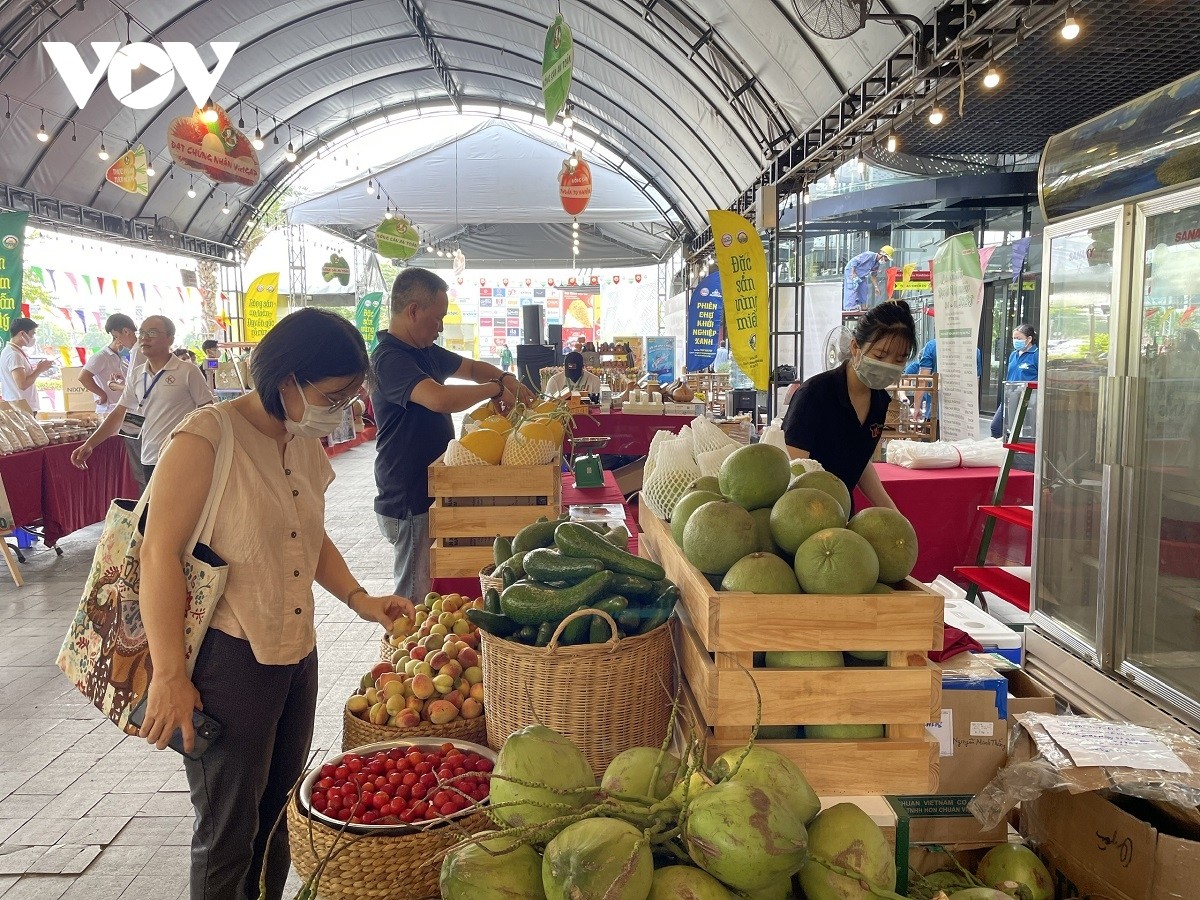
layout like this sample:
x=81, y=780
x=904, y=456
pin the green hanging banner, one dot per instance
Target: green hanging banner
x=558, y=60
x=12, y=251
x=397, y=239
x=366, y=317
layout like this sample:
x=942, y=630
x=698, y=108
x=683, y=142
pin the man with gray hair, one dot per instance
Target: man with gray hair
x=162, y=391
x=412, y=405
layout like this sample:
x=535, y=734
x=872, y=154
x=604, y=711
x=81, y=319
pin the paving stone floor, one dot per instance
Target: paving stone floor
x=88, y=813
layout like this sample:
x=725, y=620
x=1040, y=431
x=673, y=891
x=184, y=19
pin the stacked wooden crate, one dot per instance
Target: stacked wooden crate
x=718, y=634
x=474, y=504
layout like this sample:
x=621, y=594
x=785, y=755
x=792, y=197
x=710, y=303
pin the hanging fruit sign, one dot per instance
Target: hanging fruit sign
x=558, y=60
x=208, y=143
x=595, y=280
x=528, y=282
x=397, y=239
x=575, y=188
x=550, y=281
x=338, y=268
x=638, y=277
x=129, y=171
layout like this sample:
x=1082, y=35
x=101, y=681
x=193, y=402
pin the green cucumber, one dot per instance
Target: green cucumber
x=632, y=618
x=531, y=603
x=495, y=623
x=613, y=604
x=538, y=534
x=573, y=539
x=618, y=536
x=637, y=589
x=501, y=549
x=491, y=601
x=544, y=633
x=576, y=631
x=547, y=564
x=526, y=635
x=600, y=632
x=661, y=610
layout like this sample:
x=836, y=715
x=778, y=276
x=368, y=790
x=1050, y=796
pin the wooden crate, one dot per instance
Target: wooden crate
x=717, y=634
x=474, y=504
x=927, y=430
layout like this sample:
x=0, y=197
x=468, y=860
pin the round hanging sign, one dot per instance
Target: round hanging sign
x=528, y=282
x=575, y=189
x=616, y=279
x=638, y=277
x=504, y=281
x=550, y=281
x=482, y=282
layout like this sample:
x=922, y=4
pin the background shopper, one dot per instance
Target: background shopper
x=18, y=370
x=104, y=372
x=1022, y=366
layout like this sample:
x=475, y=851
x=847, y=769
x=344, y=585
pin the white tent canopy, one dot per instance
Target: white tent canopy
x=271, y=255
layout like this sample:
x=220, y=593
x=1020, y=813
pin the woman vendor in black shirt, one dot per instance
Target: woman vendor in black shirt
x=837, y=417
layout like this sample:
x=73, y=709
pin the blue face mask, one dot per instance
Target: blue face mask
x=1019, y=344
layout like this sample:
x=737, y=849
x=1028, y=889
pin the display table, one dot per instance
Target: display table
x=629, y=435
x=43, y=487
x=943, y=506
x=571, y=496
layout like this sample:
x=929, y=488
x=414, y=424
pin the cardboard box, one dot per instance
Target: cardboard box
x=1130, y=851
x=76, y=398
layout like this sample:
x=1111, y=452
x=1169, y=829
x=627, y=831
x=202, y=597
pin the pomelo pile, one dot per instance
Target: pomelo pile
x=527, y=436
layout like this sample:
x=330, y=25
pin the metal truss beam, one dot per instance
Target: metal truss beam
x=438, y=61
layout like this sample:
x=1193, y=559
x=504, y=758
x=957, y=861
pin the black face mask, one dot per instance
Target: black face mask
x=573, y=374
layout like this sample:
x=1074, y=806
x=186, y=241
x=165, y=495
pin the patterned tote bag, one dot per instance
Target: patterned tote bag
x=105, y=653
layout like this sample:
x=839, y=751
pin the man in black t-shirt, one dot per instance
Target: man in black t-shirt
x=412, y=405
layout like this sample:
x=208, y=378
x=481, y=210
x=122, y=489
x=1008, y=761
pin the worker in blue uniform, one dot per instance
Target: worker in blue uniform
x=861, y=286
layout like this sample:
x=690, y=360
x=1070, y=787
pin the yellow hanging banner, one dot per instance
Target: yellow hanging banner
x=742, y=263
x=261, y=306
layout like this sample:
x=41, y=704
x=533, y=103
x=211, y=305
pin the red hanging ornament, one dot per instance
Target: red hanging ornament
x=575, y=188
x=638, y=277
x=616, y=279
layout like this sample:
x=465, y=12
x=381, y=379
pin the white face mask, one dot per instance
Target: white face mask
x=316, y=422
x=877, y=374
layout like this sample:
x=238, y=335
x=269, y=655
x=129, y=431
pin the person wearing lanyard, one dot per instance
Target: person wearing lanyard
x=160, y=394
x=19, y=373
x=573, y=377
x=837, y=417
x=104, y=372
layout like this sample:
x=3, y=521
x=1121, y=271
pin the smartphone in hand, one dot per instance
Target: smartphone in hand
x=207, y=729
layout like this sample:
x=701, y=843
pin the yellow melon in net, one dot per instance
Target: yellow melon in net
x=540, y=430
x=488, y=445
x=496, y=423
x=459, y=455
x=522, y=450
x=481, y=412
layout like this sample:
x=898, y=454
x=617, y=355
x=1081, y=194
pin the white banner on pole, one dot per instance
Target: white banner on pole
x=957, y=303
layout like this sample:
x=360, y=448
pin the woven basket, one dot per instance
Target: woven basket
x=386, y=650
x=367, y=866
x=357, y=733
x=487, y=581
x=606, y=697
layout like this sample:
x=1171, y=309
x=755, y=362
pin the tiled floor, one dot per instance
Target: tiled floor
x=86, y=813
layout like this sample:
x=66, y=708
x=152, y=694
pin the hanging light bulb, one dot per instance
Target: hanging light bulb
x=892, y=143
x=192, y=190
x=991, y=78
x=568, y=121
x=103, y=151
x=290, y=153
x=1071, y=27
x=225, y=207
x=42, y=134
x=209, y=113
x=805, y=196
x=150, y=173
x=257, y=142
x=441, y=252
x=575, y=225
x=936, y=116
x=862, y=166
x=370, y=186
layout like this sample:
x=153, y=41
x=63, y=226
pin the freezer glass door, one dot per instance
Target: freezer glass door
x=1161, y=603
x=1077, y=320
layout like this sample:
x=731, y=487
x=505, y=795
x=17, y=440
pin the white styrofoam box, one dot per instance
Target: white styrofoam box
x=947, y=588
x=642, y=409
x=684, y=409
x=1012, y=616
x=986, y=629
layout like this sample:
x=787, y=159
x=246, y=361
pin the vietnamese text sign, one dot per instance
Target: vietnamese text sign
x=660, y=357
x=366, y=317
x=957, y=301
x=558, y=60
x=12, y=249
x=743, y=273
x=704, y=323
x=262, y=306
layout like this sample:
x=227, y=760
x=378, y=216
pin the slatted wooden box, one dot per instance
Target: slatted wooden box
x=718, y=633
x=474, y=504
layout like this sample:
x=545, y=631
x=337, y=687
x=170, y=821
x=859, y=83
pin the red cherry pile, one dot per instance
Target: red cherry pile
x=401, y=786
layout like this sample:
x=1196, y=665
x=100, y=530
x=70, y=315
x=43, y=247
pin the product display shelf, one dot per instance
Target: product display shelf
x=717, y=634
x=474, y=504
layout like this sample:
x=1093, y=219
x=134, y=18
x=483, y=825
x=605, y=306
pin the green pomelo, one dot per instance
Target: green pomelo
x=836, y=561
x=772, y=772
x=470, y=872
x=683, y=510
x=761, y=573
x=641, y=772
x=800, y=514
x=980, y=893
x=704, y=483
x=882, y=588
x=778, y=732
x=744, y=836
x=868, y=656
x=538, y=755
x=717, y=535
x=598, y=858
x=804, y=659
x=893, y=539
x=800, y=466
x=755, y=476
x=1014, y=863
x=845, y=836
x=842, y=732
x=765, y=541
x=686, y=883
x=830, y=484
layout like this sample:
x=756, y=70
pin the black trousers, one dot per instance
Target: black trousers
x=241, y=784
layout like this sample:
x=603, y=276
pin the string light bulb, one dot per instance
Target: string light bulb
x=192, y=190
x=1071, y=27
x=257, y=142
x=892, y=143
x=429, y=248
x=150, y=173
x=225, y=207
x=370, y=186
x=209, y=113
x=42, y=134
x=290, y=153
x=575, y=225
x=936, y=116
x=103, y=151
x=568, y=121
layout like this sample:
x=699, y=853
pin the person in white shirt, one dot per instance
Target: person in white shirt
x=156, y=399
x=573, y=377
x=19, y=373
x=104, y=372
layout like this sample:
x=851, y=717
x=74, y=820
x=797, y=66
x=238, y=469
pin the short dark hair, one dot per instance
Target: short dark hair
x=184, y=353
x=118, y=322
x=1028, y=330
x=20, y=325
x=885, y=320
x=312, y=344
x=209, y=345
x=416, y=285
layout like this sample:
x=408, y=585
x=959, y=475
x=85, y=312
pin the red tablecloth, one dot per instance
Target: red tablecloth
x=943, y=506
x=43, y=487
x=629, y=435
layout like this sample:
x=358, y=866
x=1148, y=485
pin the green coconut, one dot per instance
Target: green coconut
x=980, y=893
x=511, y=871
x=772, y=772
x=598, y=859
x=1011, y=863
x=744, y=836
x=779, y=890
x=845, y=836
x=686, y=883
x=641, y=772
x=538, y=755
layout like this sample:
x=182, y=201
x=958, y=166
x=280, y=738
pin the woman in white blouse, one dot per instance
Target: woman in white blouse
x=256, y=671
